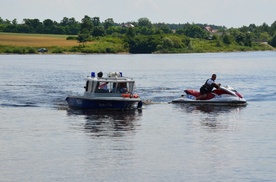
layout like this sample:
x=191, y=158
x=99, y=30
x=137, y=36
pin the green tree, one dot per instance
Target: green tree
x=181, y=41
x=252, y=27
x=165, y=28
x=86, y=29
x=72, y=26
x=227, y=39
x=173, y=43
x=244, y=29
x=264, y=28
x=195, y=31
x=264, y=36
x=143, y=44
x=108, y=23
x=65, y=21
x=144, y=22
x=98, y=31
x=167, y=43
x=113, y=30
x=145, y=31
x=48, y=23
x=22, y=28
x=272, y=42
x=84, y=36
x=48, y=26
x=35, y=26
x=10, y=28
x=86, y=23
x=1, y=21
x=272, y=30
x=130, y=32
x=14, y=21
x=248, y=40
x=96, y=21
x=243, y=39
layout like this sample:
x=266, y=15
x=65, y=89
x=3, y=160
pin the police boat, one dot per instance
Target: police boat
x=113, y=92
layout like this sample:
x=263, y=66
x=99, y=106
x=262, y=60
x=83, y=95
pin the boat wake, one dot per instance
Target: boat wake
x=19, y=105
x=157, y=95
x=262, y=97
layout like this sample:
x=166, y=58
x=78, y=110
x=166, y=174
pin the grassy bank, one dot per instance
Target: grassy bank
x=14, y=43
x=199, y=45
x=35, y=40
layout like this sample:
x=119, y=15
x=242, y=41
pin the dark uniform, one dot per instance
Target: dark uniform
x=207, y=87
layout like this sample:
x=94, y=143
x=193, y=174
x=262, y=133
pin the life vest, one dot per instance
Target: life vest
x=208, y=87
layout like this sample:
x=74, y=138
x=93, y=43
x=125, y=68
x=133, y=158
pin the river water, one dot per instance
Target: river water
x=42, y=140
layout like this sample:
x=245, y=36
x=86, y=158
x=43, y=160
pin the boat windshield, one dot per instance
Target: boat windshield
x=114, y=87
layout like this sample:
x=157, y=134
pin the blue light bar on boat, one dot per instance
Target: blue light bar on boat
x=92, y=74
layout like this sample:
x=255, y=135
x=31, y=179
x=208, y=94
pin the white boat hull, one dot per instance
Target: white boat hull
x=229, y=101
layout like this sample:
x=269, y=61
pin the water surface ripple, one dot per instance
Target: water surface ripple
x=43, y=140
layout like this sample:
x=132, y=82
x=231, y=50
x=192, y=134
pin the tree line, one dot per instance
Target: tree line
x=144, y=36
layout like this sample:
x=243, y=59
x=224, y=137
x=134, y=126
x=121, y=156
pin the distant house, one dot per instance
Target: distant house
x=207, y=28
x=210, y=30
x=127, y=25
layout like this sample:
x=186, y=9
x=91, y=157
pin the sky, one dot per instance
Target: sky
x=229, y=13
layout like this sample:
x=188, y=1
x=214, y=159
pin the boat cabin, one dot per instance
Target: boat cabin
x=113, y=83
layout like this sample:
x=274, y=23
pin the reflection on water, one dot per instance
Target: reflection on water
x=213, y=117
x=107, y=123
x=209, y=109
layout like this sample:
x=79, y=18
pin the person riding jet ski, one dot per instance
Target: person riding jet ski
x=208, y=87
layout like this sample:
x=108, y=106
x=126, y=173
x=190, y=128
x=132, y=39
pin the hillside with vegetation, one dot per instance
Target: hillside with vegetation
x=93, y=36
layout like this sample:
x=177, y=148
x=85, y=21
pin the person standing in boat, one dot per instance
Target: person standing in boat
x=208, y=87
x=102, y=85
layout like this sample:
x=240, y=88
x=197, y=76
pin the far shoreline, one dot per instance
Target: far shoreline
x=126, y=53
x=15, y=43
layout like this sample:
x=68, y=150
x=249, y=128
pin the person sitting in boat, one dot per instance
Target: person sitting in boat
x=121, y=88
x=208, y=87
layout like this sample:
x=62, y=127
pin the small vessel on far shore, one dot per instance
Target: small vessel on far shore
x=222, y=96
x=113, y=92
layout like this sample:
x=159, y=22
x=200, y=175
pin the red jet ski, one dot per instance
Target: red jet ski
x=222, y=96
